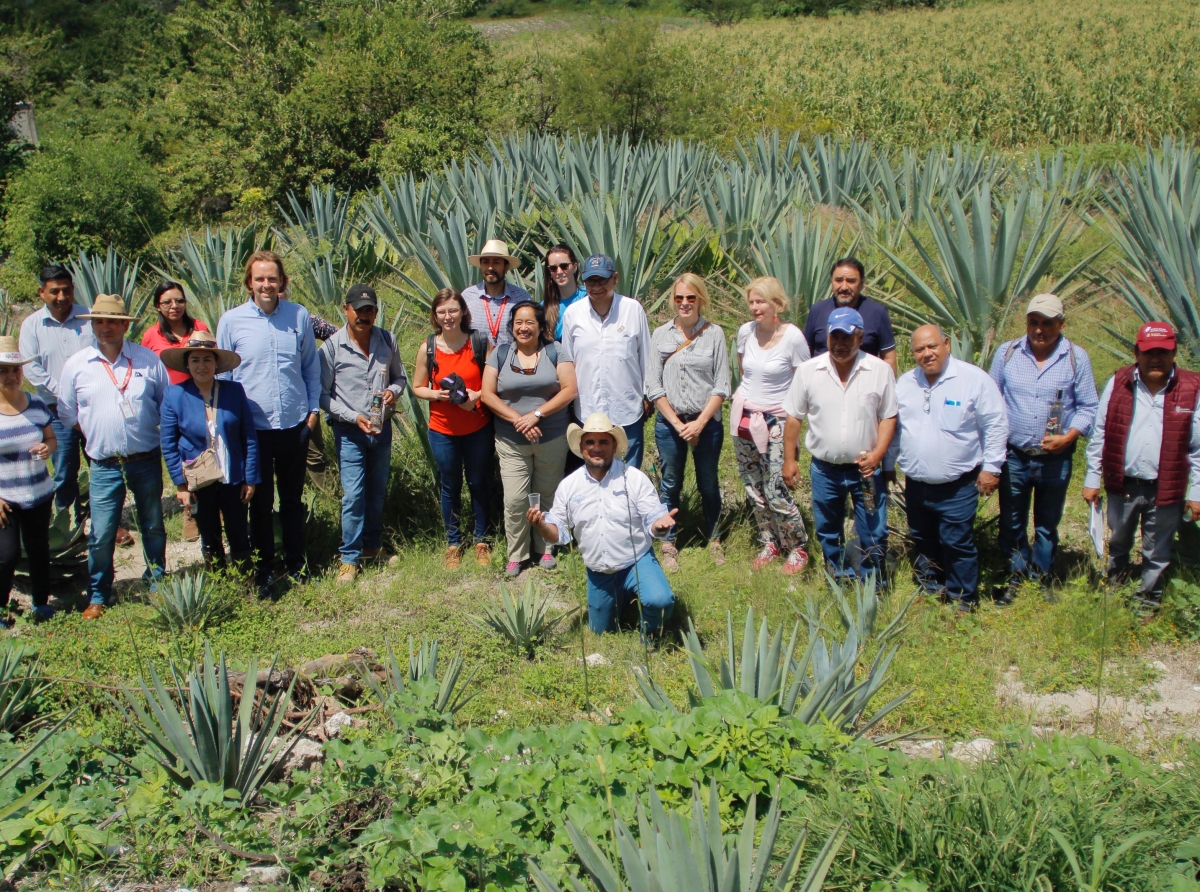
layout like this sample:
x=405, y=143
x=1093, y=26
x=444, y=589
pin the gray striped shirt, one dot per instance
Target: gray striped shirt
x=694, y=374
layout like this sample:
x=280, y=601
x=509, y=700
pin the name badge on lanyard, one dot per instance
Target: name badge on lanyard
x=126, y=406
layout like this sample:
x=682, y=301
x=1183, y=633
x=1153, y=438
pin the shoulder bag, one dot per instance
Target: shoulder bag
x=204, y=469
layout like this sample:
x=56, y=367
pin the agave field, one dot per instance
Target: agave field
x=755, y=749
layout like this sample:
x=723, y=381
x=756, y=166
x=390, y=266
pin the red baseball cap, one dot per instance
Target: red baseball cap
x=1156, y=336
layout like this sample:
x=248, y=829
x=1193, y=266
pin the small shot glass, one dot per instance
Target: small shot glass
x=535, y=500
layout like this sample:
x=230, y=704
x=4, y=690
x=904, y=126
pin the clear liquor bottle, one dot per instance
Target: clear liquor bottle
x=1054, y=420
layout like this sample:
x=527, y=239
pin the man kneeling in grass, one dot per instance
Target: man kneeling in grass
x=613, y=511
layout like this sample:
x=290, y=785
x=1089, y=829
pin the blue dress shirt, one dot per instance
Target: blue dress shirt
x=1028, y=390
x=88, y=397
x=1144, y=446
x=280, y=370
x=952, y=426
x=51, y=343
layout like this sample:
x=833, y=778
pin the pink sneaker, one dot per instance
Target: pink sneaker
x=768, y=554
x=513, y=569
x=796, y=562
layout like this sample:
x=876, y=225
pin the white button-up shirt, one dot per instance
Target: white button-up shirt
x=611, y=356
x=952, y=426
x=609, y=518
x=1144, y=446
x=843, y=419
x=88, y=396
x=51, y=343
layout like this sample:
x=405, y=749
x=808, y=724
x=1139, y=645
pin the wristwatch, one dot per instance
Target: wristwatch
x=537, y=413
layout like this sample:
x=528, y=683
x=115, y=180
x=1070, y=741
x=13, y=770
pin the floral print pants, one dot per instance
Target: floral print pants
x=775, y=511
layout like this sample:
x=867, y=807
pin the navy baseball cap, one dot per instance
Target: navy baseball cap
x=361, y=296
x=845, y=319
x=598, y=266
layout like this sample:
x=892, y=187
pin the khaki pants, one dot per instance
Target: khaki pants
x=526, y=468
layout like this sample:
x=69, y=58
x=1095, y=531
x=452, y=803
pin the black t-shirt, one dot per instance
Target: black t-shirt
x=878, y=336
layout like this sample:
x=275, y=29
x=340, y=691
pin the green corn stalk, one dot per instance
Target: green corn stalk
x=672, y=853
x=523, y=621
x=21, y=684
x=203, y=739
x=417, y=685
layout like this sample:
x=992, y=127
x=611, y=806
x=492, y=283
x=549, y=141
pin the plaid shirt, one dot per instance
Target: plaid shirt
x=1028, y=391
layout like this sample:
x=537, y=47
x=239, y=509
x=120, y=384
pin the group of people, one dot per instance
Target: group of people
x=556, y=393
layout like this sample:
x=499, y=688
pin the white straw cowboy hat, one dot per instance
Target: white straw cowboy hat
x=495, y=248
x=108, y=306
x=597, y=423
x=10, y=353
x=175, y=358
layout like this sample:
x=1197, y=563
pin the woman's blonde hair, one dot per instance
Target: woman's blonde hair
x=771, y=290
x=698, y=285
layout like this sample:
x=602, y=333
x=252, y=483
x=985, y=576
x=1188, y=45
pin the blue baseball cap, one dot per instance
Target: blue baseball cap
x=598, y=266
x=845, y=319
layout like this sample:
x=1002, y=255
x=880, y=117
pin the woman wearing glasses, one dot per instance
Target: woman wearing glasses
x=529, y=386
x=174, y=328
x=561, y=288
x=688, y=383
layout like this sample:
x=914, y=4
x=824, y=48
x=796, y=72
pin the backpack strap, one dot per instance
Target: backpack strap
x=551, y=349
x=501, y=355
x=479, y=347
x=431, y=357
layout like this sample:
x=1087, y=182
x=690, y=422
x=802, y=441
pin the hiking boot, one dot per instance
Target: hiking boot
x=191, y=532
x=670, y=557
x=371, y=555
x=124, y=538
x=347, y=573
x=796, y=561
x=93, y=611
x=483, y=554
x=768, y=554
x=453, y=557
x=716, y=552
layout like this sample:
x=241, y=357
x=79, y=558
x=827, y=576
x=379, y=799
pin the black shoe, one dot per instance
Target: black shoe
x=965, y=605
x=1005, y=595
x=264, y=584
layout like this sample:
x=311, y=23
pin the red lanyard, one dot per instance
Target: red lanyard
x=128, y=374
x=494, y=326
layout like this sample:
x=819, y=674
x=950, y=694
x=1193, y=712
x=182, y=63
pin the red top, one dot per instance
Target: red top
x=157, y=341
x=445, y=417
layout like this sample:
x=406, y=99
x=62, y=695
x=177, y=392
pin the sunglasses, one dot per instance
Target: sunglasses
x=522, y=371
x=558, y=267
x=690, y=298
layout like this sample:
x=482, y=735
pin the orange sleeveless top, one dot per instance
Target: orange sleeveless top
x=445, y=417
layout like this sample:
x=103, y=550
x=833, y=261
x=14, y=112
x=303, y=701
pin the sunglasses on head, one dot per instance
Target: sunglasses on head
x=558, y=267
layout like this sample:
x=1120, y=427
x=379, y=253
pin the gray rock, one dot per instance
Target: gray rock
x=922, y=749
x=596, y=660
x=306, y=755
x=336, y=723
x=265, y=875
x=973, y=752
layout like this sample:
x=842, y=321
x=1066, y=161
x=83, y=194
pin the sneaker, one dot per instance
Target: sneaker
x=670, y=557
x=796, y=561
x=513, y=569
x=768, y=554
x=547, y=562
x=716, y=552
x=347, y=573
x=453, y=557
x=483, y=554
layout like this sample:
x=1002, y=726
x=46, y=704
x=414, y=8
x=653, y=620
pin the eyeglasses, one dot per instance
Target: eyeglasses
x=690, y=298
x=558, y=267
x=928, y=393
x=172, y=300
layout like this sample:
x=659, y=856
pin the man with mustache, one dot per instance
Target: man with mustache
x=491, y=301
x=358, y=363
x=1145, y=451
x=953, y=436
x=847, y=278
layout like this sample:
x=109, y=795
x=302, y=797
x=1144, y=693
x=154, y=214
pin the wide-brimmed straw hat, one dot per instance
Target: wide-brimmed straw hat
x=10, y=353
x=597, y=423
x=175, y=358
x=108, y=306
x=495, y=248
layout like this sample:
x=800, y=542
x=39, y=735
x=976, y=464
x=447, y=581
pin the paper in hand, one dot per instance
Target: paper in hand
x=1096, y=526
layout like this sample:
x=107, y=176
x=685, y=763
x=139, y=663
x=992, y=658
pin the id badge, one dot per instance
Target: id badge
x=126, y=410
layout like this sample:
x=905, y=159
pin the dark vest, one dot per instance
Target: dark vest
x=1178, y=408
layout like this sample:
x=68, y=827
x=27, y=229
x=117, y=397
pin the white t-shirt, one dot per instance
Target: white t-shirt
x=767, y=374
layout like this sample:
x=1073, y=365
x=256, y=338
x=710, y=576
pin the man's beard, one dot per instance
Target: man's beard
x=844, y=301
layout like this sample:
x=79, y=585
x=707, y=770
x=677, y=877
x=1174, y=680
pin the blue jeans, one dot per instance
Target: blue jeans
x=471, y=453
x=636, y=433
x=365, y=460
x=1044, y=481
x=67, y=460
x=941, y=520
x=830, y=485
x=607, y=593
x=706, y=455
x=109, y=480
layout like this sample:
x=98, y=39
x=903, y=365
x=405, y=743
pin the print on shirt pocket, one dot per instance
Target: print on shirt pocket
x=953, y=414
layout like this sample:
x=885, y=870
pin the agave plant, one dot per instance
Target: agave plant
x=21, y=684
x=673, y=854
x=188, y=604
x=204, y=739
x=405, y=692
x=210, y=268
x=1155, y=215
x=838, y=173
x=110, y=274
x=523, y=621
x=977, y=270
x=740, y=203
x=325, y=220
